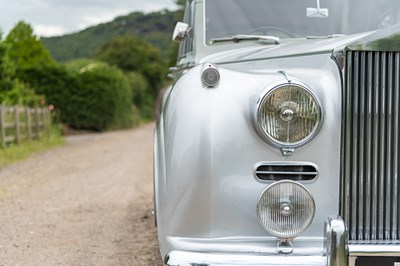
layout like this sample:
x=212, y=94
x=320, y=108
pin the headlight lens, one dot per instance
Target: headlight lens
x=288, y=115
x=286, y=209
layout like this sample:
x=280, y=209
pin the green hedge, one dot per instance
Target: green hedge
x=87, y=94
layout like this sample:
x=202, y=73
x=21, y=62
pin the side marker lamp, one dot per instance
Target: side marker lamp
x=210, y=75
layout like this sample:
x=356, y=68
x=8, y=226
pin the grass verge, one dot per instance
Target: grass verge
x=14, y=153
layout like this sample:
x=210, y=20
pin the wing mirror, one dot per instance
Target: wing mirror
x=180, y=31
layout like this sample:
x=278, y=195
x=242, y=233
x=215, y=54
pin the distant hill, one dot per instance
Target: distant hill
x=156, y=28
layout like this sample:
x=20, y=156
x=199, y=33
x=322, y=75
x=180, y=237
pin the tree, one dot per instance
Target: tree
x=12, y=90
x=180, y=3
x=55, y=82
x=103, y=99
x=7, y=70
x=141, y=98
x=24, y=48
x=132, y=54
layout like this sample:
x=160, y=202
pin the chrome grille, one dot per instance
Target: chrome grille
x=370, y=198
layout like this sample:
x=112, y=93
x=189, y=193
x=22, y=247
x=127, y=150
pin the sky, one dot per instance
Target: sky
x=58, y=17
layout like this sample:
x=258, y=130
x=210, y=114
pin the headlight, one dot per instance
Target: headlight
x=285, y=209
x=288, y=115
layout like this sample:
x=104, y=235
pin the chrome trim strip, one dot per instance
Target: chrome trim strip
x=287, y=163
x=396, y=142
x=336, y=242
x=374, y=250
x=186, y=258
x=285, y=173
x=294, y=55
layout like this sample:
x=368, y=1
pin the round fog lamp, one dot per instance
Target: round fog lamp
x=286, y=209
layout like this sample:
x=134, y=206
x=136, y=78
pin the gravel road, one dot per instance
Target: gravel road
x=87, y=203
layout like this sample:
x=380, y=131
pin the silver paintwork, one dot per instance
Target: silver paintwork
x=210, y=151
x=206, y=145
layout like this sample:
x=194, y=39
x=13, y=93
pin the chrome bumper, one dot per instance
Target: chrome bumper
x=355, y=251
x=183, y=258
x=335, y=249
x=337, y=253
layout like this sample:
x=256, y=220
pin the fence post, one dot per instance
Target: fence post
x=48, y=122
x=37, y=123
x=37, y=128
x=2, y=126
x=44, y=120
x=16, y=125
x=28, y=123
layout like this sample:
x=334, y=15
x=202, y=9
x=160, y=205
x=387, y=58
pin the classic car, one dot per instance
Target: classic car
x=278, y=141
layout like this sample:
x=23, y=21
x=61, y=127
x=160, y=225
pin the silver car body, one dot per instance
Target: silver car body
x=207, y=149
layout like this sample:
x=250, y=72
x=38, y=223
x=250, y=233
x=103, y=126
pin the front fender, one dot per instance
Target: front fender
x=210, y=147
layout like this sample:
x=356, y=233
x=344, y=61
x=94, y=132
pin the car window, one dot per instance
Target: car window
x=187, y=45
x=297, y=18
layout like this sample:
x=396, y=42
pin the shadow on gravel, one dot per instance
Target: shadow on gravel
x=141, y=241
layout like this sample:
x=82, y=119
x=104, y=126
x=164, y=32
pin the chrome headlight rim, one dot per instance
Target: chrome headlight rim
x=274, y=233
x=265, y=94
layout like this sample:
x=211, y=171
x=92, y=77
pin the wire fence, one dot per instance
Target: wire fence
x=19, y=124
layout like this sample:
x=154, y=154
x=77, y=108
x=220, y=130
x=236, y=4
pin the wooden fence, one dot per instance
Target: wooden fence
x=21, y=123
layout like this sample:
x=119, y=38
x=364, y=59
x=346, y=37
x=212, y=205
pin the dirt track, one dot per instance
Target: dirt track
x=88, y=203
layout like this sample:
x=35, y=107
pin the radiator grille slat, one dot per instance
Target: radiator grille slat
x=370, y=200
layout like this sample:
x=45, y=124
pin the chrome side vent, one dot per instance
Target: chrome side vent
x=286, y=171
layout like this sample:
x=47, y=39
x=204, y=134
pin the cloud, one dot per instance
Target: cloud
x=45, y=31
x=90, y=19
x=57, y=17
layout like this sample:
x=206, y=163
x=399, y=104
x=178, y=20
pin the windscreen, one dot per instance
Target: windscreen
x=297, y=18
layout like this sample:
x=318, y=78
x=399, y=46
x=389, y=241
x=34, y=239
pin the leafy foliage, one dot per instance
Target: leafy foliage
x=155, y=28
x=180, y=3
x=24, y=47
x=141, y=99
x=7, y=70
x=56, y=83
x=133, y=54
x=87, y=94
x=15, y=52
x=143, y=67
x=20, y=94
x=103, y=101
